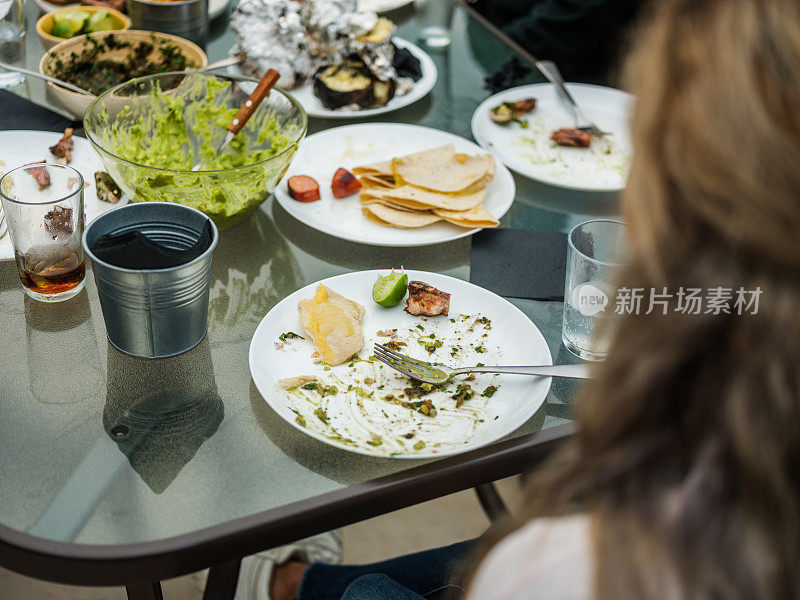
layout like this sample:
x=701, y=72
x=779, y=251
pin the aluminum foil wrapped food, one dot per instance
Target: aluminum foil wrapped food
x=297, y=37
x=331, y=25
x=273, y=35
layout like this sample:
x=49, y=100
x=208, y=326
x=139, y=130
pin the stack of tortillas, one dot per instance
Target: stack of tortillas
x=427, y=187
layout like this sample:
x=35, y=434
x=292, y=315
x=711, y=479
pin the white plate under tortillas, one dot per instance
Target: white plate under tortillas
x=356, y=145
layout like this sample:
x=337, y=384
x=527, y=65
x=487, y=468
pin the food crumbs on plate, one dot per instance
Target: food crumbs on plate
x=290, y=335
x=360, y=404
x=489, y=391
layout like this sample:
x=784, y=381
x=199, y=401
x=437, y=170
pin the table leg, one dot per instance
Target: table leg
x=491, y=502
x=221, y=582
x=145, y=591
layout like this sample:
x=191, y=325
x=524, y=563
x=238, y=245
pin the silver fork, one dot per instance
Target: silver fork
x=429, y=373
x=582, y=122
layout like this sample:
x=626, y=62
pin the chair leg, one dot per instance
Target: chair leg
x=145, y=591
x=222, y=579
x=491, y=502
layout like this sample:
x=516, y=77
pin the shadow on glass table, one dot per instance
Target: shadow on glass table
x=159, y=412
x=358, y=257
x=52, y=362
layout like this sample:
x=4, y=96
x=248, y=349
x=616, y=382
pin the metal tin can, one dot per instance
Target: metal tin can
x=154, y=313
x=185, y=18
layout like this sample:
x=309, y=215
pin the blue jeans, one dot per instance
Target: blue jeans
x=421, y=576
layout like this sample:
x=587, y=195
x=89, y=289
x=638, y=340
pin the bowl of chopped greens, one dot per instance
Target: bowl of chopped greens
x=99, y=61
x=151, y=131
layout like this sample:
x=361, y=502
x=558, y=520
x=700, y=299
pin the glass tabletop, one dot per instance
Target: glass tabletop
x=97, y=447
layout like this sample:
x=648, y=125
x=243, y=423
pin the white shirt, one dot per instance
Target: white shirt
x=547, y=559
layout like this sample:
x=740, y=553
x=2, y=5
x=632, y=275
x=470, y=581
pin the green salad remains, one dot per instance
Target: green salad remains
x=161, y=134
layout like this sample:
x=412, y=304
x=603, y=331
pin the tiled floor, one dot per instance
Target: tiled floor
x=436, y=523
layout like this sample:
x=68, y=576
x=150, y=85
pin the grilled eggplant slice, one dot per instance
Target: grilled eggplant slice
x=351, y=83
x=338, y=86
x=383, y=91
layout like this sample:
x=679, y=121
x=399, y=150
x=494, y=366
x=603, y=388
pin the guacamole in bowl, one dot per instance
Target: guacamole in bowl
x=150, y=131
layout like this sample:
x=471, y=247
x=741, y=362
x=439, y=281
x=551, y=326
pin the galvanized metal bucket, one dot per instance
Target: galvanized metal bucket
x=154, y=313
x=185, y=18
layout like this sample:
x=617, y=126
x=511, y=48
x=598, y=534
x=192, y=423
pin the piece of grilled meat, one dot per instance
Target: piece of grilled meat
x=572, y=137
x=63, y=147
x=40, y=174
x=424, y=299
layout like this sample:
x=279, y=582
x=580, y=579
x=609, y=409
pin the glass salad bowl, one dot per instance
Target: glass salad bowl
x=151, y=131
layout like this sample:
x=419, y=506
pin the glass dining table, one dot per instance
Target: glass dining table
x=124, y=471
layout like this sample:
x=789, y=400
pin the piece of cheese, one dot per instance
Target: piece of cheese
x=334, y=324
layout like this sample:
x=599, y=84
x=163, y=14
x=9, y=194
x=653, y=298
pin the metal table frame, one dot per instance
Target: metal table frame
x=140, y=567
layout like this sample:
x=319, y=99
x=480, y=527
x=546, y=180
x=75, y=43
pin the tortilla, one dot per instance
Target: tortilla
x=381, y=169
x=413, y=197
x=403, y=219
x=334, y=324
x=475, y=217
x=370, y=181
x=442, y=170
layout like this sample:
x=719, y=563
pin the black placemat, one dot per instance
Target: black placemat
x=19, y=113
x=520, y=264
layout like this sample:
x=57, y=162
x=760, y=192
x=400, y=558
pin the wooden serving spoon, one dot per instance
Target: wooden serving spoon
x=250, y=105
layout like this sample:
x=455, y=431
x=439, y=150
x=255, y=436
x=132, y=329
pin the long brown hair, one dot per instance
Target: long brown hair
x=687, y=455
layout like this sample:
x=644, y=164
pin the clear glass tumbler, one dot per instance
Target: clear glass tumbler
x=43, y=206
x=12, y=40
x=595, y=251
x=434, y=19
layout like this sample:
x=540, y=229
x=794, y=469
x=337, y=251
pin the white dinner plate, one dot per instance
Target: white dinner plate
x=601, y=168
x=314, y=107
x=381, y=6
x=215, y=7
x=21, y=147
x=511, y=339
x=353, y=145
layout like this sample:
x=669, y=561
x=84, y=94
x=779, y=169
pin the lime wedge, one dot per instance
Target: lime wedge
x=62, y=30
x=101, y=21
x=97, y=16
x=389, y=290
x=71, y=21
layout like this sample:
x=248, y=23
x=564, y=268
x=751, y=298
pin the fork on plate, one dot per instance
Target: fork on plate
x=430, y=373
x=582, y=122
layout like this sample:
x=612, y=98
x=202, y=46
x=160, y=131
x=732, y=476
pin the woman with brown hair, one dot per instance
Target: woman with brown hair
x=683, y=479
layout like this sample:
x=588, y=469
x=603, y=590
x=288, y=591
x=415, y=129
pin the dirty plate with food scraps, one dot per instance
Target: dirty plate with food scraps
x=22, y=147
x=603, y=167
x=215, y=7
x=321, y=154
x=369, y=418
x=313, y=106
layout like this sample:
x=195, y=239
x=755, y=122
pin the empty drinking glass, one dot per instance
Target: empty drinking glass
x=12, y=40
x=595, y=250
x=433, y=19
x=43, y=206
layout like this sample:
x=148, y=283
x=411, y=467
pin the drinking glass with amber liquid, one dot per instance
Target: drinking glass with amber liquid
x=43, y=206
